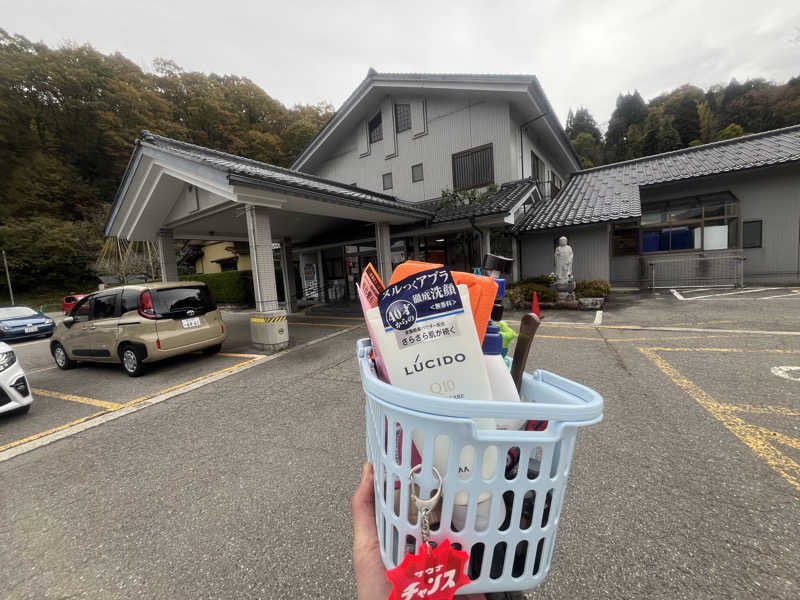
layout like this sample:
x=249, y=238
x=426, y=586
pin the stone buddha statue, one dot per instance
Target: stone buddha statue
x=563, y=257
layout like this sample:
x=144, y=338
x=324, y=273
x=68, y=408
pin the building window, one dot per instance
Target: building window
x=375, y=129
x=387, y=181
x=537, y=167
x=473, y=168
x=402, y=117
x=699, y=223
x=416, y=173
x=751, y=234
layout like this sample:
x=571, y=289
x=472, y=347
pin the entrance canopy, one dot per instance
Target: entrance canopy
x=199, y=193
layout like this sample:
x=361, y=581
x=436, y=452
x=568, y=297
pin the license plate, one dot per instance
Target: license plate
x=31, y=329
x=192, y=322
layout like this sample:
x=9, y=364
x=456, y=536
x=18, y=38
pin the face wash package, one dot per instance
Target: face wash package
x=424, y=329
x=425, y=332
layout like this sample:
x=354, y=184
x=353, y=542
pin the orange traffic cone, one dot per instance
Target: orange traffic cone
x=535, y=306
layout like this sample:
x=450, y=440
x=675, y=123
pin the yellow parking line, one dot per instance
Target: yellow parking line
x=191, y=381
x=641, y=339
x=80, y=399
x=36, y=436
x=761, y=410
x=739, y=350
x=756, y=438
x=323, y=324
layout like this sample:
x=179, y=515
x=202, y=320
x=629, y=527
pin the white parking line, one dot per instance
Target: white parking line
x=793, y=294
x=677, y=294
x=598, y=317
x=733, y=293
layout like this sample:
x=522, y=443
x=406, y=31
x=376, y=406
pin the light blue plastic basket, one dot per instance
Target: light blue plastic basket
x=510, y=558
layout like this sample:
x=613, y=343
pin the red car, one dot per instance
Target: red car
x=69, y=301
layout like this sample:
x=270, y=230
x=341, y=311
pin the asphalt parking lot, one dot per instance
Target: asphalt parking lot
x=239, y=487
x=66, y=398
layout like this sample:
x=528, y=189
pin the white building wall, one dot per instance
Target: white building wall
x=522, y=165
x=452, y=124
x=590, y=247
x=772, y=196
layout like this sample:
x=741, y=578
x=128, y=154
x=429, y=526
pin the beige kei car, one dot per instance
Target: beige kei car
x=138, y=324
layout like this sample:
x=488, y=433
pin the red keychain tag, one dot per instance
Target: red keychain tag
x=429, y=574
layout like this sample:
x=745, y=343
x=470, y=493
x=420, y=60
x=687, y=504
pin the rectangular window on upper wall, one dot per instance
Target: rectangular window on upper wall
x=402, y=117
x=751, y=234
x=537, y=167
x=387, y=181
x=473, y=168
x=375, y=129
x=416, y=173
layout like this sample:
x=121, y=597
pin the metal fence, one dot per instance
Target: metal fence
x=706, y=270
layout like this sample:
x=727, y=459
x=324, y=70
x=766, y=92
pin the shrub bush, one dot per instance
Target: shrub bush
x=232, y=287
x=597, y=288
x=521, y=294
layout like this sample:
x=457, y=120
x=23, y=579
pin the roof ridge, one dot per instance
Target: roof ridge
x=740, y=139
x=145, y=135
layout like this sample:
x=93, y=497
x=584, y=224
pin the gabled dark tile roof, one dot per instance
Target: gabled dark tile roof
x=611, y=192
x=245, y=171
x=502, y=201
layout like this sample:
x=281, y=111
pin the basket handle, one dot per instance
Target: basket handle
x=557, y=398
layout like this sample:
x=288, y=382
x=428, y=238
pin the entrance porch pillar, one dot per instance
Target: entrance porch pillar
x=515, y=254
x=166, y=256
x=383, y=245
x=269, y=329
x=287, y=269
x=486, y=244
x=323, y=296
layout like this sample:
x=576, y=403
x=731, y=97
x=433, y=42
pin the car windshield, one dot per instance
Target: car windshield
x=16, y=312
x=174, y=301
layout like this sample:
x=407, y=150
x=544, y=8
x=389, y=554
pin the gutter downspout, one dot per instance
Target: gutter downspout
x=521, y=151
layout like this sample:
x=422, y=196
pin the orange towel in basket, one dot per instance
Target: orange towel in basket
x=482, y=290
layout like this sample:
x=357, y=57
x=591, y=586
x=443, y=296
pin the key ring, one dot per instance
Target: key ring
x=434, y=500
x=425, y=506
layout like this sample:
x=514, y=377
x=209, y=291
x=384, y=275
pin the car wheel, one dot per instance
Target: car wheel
x=131, y=361
x=212, y=349
x=62, y=360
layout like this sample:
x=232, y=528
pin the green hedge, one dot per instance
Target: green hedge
x=232, y=287
x=521, y=294
x=597, y=288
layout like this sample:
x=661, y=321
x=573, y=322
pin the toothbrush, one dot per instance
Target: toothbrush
x=527, y=329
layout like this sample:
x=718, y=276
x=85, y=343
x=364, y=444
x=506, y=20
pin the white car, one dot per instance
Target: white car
x=15, y=394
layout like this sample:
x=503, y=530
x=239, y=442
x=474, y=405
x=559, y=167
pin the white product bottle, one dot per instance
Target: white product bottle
x=500, y=380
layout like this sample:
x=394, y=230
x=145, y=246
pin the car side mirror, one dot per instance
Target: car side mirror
x=69, y=321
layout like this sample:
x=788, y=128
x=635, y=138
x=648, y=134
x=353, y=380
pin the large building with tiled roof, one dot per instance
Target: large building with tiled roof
x=689, y=215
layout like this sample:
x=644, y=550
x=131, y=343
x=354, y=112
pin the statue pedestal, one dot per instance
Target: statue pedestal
x=566, y=289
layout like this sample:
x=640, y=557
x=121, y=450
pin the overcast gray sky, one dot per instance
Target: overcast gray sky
x=584, y=52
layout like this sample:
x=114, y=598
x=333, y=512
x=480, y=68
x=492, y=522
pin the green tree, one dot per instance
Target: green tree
x=582, y=122
x=731, y=131
x=630, y=110
x=588, y=149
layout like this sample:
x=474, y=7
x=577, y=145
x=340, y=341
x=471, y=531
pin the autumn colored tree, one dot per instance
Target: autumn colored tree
x=69, y=117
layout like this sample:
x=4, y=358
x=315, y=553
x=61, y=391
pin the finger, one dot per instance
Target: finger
x=363, y=507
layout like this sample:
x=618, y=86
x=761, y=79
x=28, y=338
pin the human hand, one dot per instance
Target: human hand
x=371, y=581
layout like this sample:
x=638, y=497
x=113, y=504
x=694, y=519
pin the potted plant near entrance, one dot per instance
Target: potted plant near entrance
x=592, y=295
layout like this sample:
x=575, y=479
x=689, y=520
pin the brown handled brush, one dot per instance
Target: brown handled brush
x=527, y=329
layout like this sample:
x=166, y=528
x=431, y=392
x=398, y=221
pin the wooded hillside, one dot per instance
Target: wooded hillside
x=68, y=120
x=686, y=116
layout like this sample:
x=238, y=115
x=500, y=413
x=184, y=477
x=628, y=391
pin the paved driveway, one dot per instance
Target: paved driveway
x=689, y=488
